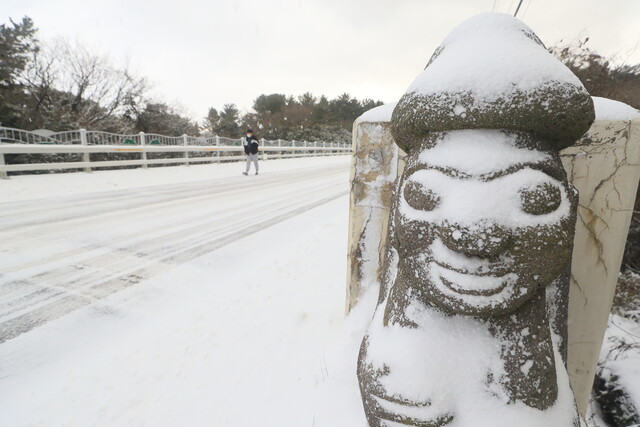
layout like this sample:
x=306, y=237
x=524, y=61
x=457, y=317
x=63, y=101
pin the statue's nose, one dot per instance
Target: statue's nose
x=483, y=239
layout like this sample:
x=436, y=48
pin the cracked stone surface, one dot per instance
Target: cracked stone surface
x=604, y=166
x=374, y=168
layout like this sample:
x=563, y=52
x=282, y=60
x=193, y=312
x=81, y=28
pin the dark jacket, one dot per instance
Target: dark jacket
x=251, y=145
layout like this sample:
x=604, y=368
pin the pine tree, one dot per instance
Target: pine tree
x=17, y=43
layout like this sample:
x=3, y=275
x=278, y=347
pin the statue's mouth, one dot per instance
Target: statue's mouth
x=468, y=264
x=400, y=412
x=485, y=284
x=496, y=269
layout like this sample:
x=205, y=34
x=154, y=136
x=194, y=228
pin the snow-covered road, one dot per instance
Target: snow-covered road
x=58, y=254
x=187, y=296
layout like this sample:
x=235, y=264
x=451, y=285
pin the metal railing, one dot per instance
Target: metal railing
x=208, y=149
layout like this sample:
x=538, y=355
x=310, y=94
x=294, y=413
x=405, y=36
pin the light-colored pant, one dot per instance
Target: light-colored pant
x=252, y=158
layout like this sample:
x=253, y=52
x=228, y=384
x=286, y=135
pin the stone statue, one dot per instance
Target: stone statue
x=470, y=327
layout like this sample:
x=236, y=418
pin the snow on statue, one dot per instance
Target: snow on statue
x=470, y=328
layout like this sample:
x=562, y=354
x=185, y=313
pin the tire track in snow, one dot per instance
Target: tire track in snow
x=129, y=257
x=77, y=228
x=163, y=227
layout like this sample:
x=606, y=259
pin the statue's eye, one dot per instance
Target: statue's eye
x=540, y=199
x=420, y=197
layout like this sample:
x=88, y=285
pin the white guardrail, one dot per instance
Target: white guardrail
x=17, y=141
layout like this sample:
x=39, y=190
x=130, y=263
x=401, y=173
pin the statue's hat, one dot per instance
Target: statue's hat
x=493, y=72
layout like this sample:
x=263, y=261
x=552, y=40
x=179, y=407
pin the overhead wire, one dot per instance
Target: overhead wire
x=515, y=14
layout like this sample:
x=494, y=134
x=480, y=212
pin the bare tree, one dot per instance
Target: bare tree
x=70, y=86
x=601, y=76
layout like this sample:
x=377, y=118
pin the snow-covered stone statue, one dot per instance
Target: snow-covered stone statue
x=470, y=327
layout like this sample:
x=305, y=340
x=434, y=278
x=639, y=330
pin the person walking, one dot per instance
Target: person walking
x=251, y=150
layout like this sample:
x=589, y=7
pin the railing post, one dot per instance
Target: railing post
x=218, y=150
x=293, y=145
x=185, y=142
x=144, y=153
x=86, y=157
x=264, y=152
x=3, y=174
x=315, y=146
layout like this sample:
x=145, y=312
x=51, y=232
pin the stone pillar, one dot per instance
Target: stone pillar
x=374, y=168
x=604, y=167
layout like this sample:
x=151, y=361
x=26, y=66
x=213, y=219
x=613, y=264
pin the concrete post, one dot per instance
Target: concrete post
x=264, y=152
x=3, y=174
x=605, y=168
x=86, y=158
x=218, y=150
x=185, y=142
x=144, y=153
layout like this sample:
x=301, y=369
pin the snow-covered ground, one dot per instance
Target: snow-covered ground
x=188, y=296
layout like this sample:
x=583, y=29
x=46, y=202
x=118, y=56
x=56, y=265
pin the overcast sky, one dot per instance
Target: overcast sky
x=202, y=53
